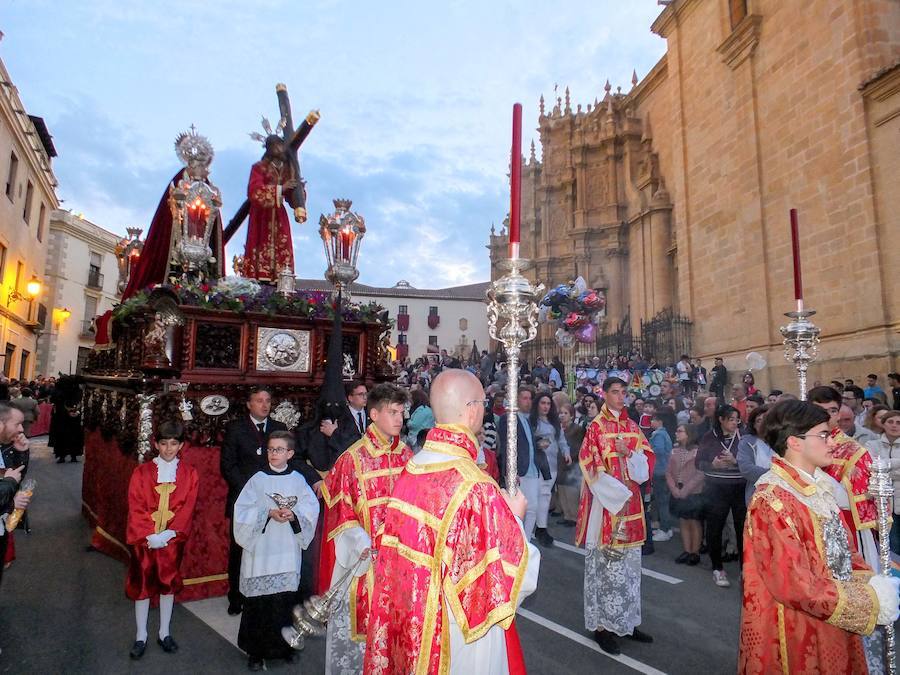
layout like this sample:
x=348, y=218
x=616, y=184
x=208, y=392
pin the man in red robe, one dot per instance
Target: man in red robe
x=269, y=248
x=616, y=460
x=453, y=562
x=356, y=492
x=808, y=595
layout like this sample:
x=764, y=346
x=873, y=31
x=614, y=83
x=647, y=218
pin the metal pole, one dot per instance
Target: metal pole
x=881, y=488
x=512, y=320
x=801, y=343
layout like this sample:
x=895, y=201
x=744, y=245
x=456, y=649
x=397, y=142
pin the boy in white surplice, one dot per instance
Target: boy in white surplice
x=274, y=519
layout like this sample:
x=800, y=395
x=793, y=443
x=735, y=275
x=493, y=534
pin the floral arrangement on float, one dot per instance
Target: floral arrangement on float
x=240, y=294
x=575, y=309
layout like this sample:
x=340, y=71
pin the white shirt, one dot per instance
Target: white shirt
x=357, y=412
x=165, y=471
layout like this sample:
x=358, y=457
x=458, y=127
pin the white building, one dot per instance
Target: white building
x=81, y=275
x=26, y=149
x=458, y=315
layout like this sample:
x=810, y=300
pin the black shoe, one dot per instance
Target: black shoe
x=74, y=460
x=234, y=608
x=640, y=636
x=60, y=460
x=137, y=650
x=683, y=558
x=607, y=642
x=556, y=514
x=168, y=644
x=543, y=537
x=565, y=522
x=255, y=664
x=694, y=559
x=648, y=549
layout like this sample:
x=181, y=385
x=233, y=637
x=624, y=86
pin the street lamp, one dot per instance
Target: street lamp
x=341, y=234
x=32, y=290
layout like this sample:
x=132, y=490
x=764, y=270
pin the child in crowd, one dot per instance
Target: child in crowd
x=161, y=498
x=275, y=518
x=685, y=483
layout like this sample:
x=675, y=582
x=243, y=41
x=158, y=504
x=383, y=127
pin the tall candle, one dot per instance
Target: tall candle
x=515, y=175
x=795, y=250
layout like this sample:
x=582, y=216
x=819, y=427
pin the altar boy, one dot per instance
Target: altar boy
x=275, y=518
x=161, y=498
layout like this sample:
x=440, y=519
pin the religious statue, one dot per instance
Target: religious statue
x=162, y=253
x=274, y=180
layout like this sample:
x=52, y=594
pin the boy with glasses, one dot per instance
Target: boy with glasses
x=275, y=518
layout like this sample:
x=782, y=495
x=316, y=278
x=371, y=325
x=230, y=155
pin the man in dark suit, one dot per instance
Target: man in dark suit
x=532, y=465
x=243, y=454
x=336, y=435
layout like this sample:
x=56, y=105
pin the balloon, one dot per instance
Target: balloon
x=755, y=361
x=564, y=338
x=592, y=301
x=586, y=333
x=580, y=285
x=543, y=314
x=575, y=320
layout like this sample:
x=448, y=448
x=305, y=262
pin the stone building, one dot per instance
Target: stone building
x=426, y=319
x=673, y=196
x=26, y=152
x=82, y=276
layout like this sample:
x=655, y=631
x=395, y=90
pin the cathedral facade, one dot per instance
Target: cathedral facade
x=673, y=196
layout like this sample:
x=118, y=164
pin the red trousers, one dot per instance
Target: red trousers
x=153, y=572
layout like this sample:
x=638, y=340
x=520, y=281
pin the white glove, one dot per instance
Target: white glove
x=887, y=589
x=160, y=540
x=154, y=541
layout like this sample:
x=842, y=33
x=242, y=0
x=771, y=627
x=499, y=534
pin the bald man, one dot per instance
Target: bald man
x=454, y=563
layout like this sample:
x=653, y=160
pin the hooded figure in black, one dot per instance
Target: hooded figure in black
x=66, y=428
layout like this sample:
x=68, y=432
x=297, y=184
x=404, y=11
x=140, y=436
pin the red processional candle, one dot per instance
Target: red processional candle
x=515, y=175
x=795, y=251
x=345, y=244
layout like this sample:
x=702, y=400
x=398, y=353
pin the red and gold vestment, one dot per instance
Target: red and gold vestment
x=851, y=467
x=152, y=508
x=268, y=248
x=356, y=493
x=450, y=545
x=798, y=616
x=598, y=455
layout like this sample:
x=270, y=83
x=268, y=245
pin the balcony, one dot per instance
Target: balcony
x=87, y=330
x=95, y=279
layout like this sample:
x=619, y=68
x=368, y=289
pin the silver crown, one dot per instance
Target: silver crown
x=192, y=147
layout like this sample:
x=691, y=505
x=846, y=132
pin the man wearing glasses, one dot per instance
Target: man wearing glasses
x=850, y=470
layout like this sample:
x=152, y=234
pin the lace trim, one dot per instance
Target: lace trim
x=270, y=584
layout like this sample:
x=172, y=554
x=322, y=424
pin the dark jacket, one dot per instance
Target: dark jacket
x=323, y=450
x=523, y=450
x=13, y=459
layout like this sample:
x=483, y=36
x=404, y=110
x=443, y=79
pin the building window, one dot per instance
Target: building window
x=401, y=339
x=738, y=10
x=42, y=216
x=2, y=262
x=432, y=311
x=432, y=340
x=23, y=365
x=90, y=310
x=42, y=316
x=403, y=310
x=26, y=210
x=7, y=362
x=11, y=176
x=20, y=272
x=95, y=279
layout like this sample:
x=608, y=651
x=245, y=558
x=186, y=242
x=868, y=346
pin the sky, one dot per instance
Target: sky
x=416, y=103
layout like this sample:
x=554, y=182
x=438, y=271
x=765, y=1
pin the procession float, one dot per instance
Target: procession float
x=189, y=342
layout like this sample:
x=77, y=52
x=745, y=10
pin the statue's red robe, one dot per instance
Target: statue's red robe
x=269, y=248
